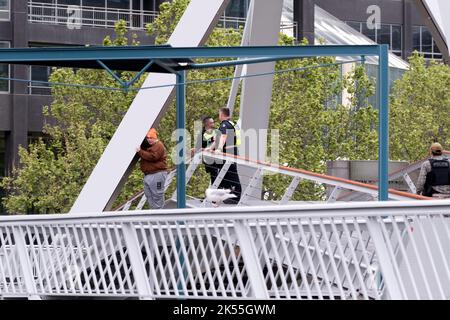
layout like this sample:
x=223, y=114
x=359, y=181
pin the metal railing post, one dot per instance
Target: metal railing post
x=25, y=263
x=386, y=265
x=251, y=260
x=137, y=262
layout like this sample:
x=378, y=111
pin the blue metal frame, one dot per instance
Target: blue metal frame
x=181, y=139
x=247, y=55
x=125, y=84
x=128, y=53
x=383, y=123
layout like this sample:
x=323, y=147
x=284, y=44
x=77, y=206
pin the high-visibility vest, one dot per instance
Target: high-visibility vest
x=208, y=137
x=237, y=132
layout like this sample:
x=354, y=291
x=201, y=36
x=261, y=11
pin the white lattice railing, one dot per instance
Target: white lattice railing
x=88, y=16
x=393, y=250
x=106, y=17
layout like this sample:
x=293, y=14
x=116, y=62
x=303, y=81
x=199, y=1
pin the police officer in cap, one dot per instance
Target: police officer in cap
x=434, y=177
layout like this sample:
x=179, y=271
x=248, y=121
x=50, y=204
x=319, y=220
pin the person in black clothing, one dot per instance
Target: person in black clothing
x=434, y=177
x=209, y=135
x=227, y=143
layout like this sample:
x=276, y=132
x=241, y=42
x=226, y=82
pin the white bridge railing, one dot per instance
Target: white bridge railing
x=392, y=250
x=86, y=16
x=254, y=187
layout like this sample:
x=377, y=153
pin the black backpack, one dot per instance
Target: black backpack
x=438, y=176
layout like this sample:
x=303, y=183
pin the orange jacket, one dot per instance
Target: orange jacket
x=154, y=159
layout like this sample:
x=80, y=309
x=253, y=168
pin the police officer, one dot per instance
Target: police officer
x=434, y=177
x=228, y=143
x=209, y=135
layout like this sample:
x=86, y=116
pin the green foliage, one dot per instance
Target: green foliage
x=420, y=109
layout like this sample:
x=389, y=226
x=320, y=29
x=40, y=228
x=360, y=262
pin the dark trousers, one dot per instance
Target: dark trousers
x=213, y=171
x=231, y=181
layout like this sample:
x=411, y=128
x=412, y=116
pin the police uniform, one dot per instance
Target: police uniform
x=208, y=138
x=231, y=180
x=434, y=177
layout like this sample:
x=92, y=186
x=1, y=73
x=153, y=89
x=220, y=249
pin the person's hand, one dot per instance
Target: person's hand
x=217, y=151
x=138, y=149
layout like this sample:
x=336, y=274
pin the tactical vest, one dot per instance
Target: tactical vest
x=439, y=174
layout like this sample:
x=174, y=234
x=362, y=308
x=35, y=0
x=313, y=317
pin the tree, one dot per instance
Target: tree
x=420, y=109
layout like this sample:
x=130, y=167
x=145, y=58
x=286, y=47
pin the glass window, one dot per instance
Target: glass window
x=4, y=71
x=40, y=76
x=237, y=8
x=396, y=38
x=427, y=40
x=2, y=154
x=355, y=25
x=416, y=38
x=4, y=9
x=435, y=48
x=424, y=43
x=2, y=166
x=119, y=4
x=70, y=2
x=384, y=34
x=94, y=3
x=369, y=33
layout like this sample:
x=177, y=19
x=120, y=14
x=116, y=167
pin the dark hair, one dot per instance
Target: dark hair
x=437, y=153
x=145, y=145
x=226, y=111
x=206, y=119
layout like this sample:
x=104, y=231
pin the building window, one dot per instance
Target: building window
x=2, y=166
x=387, y=34
x=4, y=9
x=237, y=8
x=424, y=43
x=4, y=71
x=40, y=76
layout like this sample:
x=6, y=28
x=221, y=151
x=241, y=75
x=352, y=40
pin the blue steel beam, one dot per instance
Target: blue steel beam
x=127, y=53
x=383, y=123
x=181, y=139
x=233, y=63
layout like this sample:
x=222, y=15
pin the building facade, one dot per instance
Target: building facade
x=31, y=23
